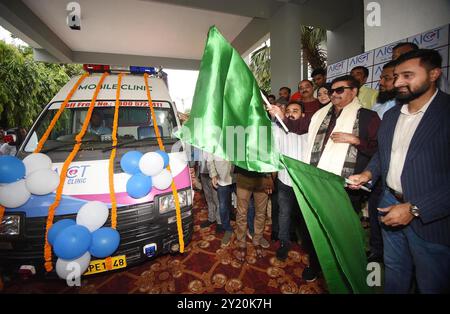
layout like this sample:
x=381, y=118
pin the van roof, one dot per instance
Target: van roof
x=132, y=88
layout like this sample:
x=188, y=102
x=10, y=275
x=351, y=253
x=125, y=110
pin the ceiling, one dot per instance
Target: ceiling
x=170, y=33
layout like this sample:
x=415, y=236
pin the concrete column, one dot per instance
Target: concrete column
x=347, y=40
x=285, y=45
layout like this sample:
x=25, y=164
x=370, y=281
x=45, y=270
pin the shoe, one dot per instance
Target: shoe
x=207, y=224
x=226, y=240
x=309, y=275
x=375, y=258
x=219, y=228
x=282, y=252
x=264, y=243
x=240, y=254
x=250, y=234
x=259, y=251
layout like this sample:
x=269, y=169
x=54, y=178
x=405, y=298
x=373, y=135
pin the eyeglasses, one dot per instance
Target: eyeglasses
x=338, y=90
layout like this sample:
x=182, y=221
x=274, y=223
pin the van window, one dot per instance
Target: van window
x=135, y=124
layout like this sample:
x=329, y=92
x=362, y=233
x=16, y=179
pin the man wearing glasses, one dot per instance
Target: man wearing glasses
x=342, y=136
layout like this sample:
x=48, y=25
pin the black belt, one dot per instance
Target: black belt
x=397, y=195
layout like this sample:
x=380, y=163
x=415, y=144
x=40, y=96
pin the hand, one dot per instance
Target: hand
x=214, y=182
x=359, y=179
x=397, y=215
x=340, y=137
x=275, y=110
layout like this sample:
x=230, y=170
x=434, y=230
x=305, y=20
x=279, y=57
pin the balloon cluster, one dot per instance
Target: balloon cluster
x=19, y=179
x=146, y=170
x=76, y=241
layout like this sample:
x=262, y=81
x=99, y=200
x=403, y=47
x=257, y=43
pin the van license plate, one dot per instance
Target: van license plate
x=99, y=265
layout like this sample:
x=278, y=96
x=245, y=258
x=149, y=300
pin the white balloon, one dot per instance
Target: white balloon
x=151, y=164
x=93, y=215
x=42, y=182
x=35, y=162
x=14, y=194
x=64, y=268
x=163, y=180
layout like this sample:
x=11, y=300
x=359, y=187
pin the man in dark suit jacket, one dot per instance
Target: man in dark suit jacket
x=413, y=162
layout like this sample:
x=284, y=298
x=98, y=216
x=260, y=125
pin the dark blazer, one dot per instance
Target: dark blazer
x=426, y=172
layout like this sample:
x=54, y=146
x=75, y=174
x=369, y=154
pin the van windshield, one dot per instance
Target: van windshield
x=135, y=124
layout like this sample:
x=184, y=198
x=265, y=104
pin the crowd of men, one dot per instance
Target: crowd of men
x=394, y=141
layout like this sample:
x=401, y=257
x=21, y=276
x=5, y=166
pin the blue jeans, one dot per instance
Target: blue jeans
x=251, y=215
x=287, y=203
x=224, y=194
x=406, y=256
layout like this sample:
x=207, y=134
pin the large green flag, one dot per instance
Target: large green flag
x=334, y=227
x=227, y=117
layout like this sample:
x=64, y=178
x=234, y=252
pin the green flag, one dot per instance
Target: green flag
x=334, y=227
x=227, y=117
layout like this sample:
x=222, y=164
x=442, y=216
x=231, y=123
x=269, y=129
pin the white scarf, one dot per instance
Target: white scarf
x=334, y=154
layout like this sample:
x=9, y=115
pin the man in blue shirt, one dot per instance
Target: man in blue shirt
x=386, y=95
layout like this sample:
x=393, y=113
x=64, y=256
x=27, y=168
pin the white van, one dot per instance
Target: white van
x=147, y=226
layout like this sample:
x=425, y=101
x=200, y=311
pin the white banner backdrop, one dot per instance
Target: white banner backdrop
x=437, y=38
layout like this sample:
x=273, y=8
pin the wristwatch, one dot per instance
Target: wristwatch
x=414, y=210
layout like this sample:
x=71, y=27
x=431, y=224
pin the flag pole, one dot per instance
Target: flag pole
x=268, y=105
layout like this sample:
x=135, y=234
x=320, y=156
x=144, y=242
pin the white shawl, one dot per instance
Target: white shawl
x=334, y=154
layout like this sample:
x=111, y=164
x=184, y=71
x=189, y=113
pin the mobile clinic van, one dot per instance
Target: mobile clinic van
x=147, y=225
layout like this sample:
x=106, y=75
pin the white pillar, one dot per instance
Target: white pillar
x=285, y=45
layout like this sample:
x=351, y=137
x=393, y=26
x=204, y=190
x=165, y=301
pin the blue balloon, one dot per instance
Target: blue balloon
x=130, y=162
x=165, y=156
x=105, y=242
x=72, y=242
x=12, y=169
x=58, y=227
x=139, y=185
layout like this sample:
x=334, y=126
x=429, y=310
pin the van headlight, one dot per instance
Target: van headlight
x=10, y=225
x=167, y=203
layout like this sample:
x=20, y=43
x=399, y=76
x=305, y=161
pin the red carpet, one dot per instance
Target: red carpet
x=205, y=267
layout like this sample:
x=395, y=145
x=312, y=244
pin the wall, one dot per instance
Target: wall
x=404, y=18
x=346, y=40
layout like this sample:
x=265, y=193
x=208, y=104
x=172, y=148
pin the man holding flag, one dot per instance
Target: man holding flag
x=228, y=119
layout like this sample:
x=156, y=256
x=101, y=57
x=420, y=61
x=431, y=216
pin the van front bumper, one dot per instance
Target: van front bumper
x=140, y=226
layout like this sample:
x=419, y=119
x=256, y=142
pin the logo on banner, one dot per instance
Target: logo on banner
x=384, y=54
x=429, y=39
x=362, y=59
x=377, y=71
x=337, y=68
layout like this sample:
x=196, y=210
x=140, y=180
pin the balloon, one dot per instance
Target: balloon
x=139, y=185
x=93, y=215
x=105, y=242
x=57, y=228
x=163, y=180
x=34, y=162
x=12, y=169
x=14, y=194
x=64, y=268
x=42, y=182
x=72, y=242
x=130, y=162
x=151, y=163
x=165, y=156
